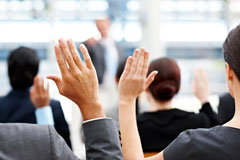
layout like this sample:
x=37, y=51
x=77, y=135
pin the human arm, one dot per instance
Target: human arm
x=201, y=90
x=200, y=86
x=78, y=82
x=132, y=83
x=39, y=96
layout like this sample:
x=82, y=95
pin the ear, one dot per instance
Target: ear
x=229, y=72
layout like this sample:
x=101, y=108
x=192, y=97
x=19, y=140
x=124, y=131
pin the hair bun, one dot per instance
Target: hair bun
x=165, y=90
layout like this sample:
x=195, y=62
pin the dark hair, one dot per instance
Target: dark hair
x=23, y=66
x=120, y=68
x=231, y=50
x=167, y=82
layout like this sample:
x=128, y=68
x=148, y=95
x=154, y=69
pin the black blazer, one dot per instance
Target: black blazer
x=158, y=129
x=16, y=107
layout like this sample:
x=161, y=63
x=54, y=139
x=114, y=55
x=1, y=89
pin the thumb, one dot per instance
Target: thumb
x=150, y=79
x=56, y=79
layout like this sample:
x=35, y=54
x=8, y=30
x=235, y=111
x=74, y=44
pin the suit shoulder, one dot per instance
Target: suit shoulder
x=24, y=129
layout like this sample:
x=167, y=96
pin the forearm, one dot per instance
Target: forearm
x=131, y=144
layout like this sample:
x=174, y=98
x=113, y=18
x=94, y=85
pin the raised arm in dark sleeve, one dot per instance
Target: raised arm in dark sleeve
x=209, y=114
x=102, y=140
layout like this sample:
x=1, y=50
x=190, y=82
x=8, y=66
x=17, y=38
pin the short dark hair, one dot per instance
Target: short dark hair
x=120, y=68
x=231, y=50
x=167, y=82
x=23, y=64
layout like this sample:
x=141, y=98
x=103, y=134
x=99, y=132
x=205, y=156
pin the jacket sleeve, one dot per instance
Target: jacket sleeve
x=210, y=114
x=61, y=125
x=59, y=148
x=102, y=140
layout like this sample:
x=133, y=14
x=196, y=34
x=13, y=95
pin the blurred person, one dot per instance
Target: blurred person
x=105, y=53
x=16, y=106
x=159, y=126
x=220, y=142
x=41, y=142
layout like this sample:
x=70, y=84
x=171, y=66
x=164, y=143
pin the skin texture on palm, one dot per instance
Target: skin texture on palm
x=78, y=82
x=132, y=83
x=200, y=85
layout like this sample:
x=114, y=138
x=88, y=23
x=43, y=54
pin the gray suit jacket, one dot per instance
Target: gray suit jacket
x=41, y=142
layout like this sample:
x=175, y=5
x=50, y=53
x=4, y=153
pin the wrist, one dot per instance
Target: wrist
x=41, y=106
x=204, y=100
x=127, y=99
x=91, y=110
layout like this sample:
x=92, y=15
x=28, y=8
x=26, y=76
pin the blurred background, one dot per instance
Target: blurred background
x=190, y=31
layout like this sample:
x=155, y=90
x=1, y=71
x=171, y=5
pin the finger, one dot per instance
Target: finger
x=36, y=84
x=60, y=60
x=150, y=79
x=145, y=64
x=127, y=67
x=41, y=85
x=86, y=56
x=75, y=54
x=67, y=54
x=140, y=62
x=134, y=61
x=56, y=79
x=46, y=88
x=31, y=92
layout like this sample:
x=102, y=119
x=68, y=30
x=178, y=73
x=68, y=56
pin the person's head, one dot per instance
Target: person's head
x=231, y=51
x=23, y=66
x=167, y=82
x=103, y=26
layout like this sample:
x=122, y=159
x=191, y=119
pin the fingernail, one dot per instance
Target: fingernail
x=61, y=40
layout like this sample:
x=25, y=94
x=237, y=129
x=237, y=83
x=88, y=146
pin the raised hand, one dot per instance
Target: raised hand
x=132, y=83
x=133, y=80
x=78, y=82
x=39, y=94
x=200, y=85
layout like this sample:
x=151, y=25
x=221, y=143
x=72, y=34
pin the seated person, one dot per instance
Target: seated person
x=217, y=143
x=16, y=106
x=162, y=124
x=41, y=142
x=226, y=108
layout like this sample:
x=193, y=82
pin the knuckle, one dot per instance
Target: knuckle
x=87, y=60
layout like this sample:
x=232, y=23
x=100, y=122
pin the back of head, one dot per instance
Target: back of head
x=167, y=82
x=23, y=66
x=120, y=69
x=231, y=50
